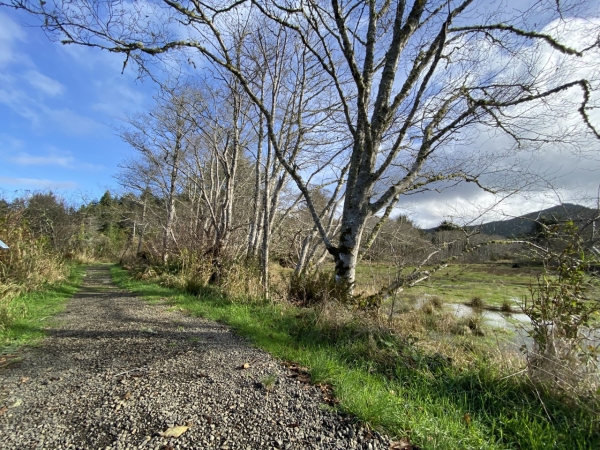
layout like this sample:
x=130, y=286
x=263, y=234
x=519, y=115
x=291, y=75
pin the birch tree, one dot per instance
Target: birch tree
x=416, y=82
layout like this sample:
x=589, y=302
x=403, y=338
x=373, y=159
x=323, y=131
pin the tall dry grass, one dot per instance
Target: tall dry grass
x=27, y=265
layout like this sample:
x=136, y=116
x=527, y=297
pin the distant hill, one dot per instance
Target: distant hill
x=524, y=225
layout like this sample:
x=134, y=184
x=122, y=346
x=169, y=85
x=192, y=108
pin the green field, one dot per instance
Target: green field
x=492, y=283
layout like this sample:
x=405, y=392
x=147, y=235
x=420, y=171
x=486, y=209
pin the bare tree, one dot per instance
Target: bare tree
x=415, y=81
x=162, y=138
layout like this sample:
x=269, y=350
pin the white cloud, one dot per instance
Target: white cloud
x=25, y=159
x=10, y=143
x=117, y=98
x=44, y=84
x=37, y=183
x=44, y=117
x=54, y=157
x=10, y=32
x=551, y=171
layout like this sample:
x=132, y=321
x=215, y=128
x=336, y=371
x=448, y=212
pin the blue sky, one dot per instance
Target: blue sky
x=58, y=109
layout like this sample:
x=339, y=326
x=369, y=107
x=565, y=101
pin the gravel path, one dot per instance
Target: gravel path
x=117, y=373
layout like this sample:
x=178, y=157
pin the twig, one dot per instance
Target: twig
x=513, y=374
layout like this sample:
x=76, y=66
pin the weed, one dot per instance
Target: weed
x=268, y=383
x=436, y=301
x=507, y=306
x=428, y=308
x=194, y=286
x=306, y=289
x=477, y=303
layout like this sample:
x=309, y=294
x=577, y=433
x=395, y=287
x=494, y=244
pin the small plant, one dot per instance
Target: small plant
x=471, y=325
x=436, y=301
x=506, y=306
x=314, y=288
x=477, y=303
x=268, y=383
x=475, y=322
x=194, y=286
x=428, y=308
x=562, y=314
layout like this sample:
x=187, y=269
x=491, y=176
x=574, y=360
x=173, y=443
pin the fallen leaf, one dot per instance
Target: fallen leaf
x=3, y=410
x=174, y=431
x=403, y=444
x=19, y=402
x=467, y=418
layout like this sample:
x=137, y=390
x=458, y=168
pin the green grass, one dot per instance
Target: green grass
x=32, y=311
x=394, y=385
x=493, y=283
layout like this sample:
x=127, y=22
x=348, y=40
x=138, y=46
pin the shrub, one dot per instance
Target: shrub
x=436, y=302
x=506, y=306
x=477, y=303
x=307, y=289
x=562, y=315
x=29, y=264
x=194, y=286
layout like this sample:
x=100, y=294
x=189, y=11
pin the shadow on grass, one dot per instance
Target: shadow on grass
x=33, y=310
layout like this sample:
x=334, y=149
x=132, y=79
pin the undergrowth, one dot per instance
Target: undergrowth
x=26, y=315
x=467, y=399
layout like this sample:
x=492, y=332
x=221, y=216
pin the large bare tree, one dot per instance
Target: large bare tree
x=415, y=81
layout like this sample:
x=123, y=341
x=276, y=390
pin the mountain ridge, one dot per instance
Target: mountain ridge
x=525, y=224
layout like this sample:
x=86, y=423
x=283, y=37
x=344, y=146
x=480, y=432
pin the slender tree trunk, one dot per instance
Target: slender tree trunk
x=254, y=234
x=143, y=223
x=171, y=195
x=266, y=229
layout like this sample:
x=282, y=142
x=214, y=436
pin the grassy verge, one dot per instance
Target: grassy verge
x=394, y=384
x=29, y=312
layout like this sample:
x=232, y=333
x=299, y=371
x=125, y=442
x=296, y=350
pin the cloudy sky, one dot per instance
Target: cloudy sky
x=59, y=106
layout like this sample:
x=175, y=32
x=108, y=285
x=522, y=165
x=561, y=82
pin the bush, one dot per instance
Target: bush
x=562, y=317
x=314, y=288
x=506, y=306
x=477, y=303
x=29, y=264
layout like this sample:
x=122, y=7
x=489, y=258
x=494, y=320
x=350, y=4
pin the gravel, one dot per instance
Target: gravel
x=118, y=373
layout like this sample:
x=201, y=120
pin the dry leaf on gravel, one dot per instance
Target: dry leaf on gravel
x=403, y=444
x=174, y=431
